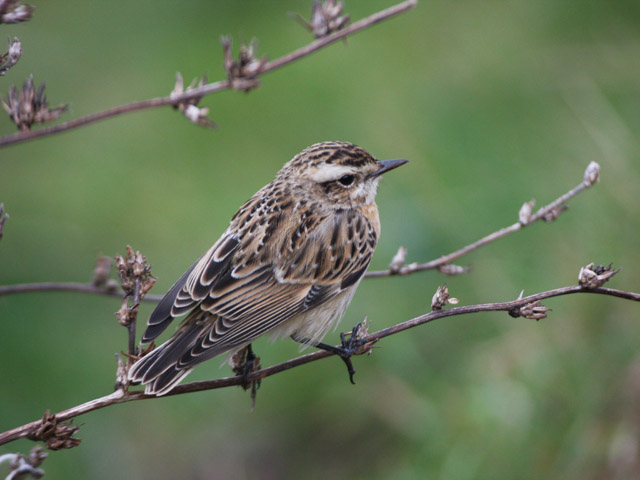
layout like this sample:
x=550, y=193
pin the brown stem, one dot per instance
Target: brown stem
x=68, y=287
x=122, y=397
x=211, y=87
x=542, y=213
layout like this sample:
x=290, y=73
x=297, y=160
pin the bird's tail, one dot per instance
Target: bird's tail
x=161, y=369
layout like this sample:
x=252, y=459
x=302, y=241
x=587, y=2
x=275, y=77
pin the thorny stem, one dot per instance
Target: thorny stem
x=120, y=396
x=446, y=259
x=211, y=87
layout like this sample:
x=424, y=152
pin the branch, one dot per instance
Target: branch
x=70, y=287
x=211, y=87
x=514, y=308
x=547, y=213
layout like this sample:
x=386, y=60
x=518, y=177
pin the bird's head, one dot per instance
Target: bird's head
x=338, y=174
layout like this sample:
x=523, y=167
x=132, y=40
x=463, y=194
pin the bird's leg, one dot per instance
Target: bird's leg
x=349, y=348
x=243, y=363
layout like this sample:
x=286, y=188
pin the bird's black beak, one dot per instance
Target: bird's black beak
x=386, y=165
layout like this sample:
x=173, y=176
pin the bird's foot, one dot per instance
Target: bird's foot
x=244, y=362
x=354, y=345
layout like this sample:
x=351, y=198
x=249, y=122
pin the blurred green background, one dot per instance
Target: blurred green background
x=494, y=103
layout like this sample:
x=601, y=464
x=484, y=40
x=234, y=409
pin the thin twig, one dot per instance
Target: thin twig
x=120, y=396
x=548, y=212
x=211, y=87
x=69, y=287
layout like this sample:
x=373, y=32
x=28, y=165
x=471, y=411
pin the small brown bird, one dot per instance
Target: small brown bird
x=288, y=265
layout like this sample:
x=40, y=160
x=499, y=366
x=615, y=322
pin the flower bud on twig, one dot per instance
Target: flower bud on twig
x=325, y=18
x=442, y=298
x=534, y=310
x=591, y=276
x=592, y=174
x=524, y=215
x=398, y=259
x=189, y=108
x=12, y=12
x=242, y=73
x=9, y=59
x=30, y=106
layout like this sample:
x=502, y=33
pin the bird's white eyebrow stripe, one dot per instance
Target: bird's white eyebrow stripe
x=328, y=172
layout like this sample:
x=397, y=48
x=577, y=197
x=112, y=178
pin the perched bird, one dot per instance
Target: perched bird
x=288, y=265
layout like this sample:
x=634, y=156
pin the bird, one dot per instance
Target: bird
x=287, y=265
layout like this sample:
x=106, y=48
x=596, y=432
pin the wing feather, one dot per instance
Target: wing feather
x=238, y=291
x=192, y=286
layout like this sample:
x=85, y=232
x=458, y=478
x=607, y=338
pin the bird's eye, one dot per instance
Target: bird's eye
x=347, y=180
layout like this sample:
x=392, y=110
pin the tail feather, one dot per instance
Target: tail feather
x=160, y=370
x=164, y=383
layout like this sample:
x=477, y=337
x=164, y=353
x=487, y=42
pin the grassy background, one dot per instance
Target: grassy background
x=493, y=102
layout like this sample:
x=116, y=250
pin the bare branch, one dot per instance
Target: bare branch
x=211, y=87
x=516, y=308
x=69, y=287
x=547, y=213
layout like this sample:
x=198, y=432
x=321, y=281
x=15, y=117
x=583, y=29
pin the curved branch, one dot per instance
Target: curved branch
x=120, y=396
x=547, y=213
x=211, y=87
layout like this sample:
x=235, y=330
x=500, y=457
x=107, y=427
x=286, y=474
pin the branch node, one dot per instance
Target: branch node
x=442, y=298
x=397, y=262
x=526, y=212
x=591, y=276
x=55, y=436
x=189, y=107
x=326, y=18
x=242, y=73
x=30, y=106
x=122, y=375
x=534, y=310
x=554, y=213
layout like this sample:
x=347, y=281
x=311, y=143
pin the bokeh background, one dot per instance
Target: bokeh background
x=494, y=103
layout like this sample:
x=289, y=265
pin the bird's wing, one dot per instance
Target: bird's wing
x=192, y=286
x=249, y=295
